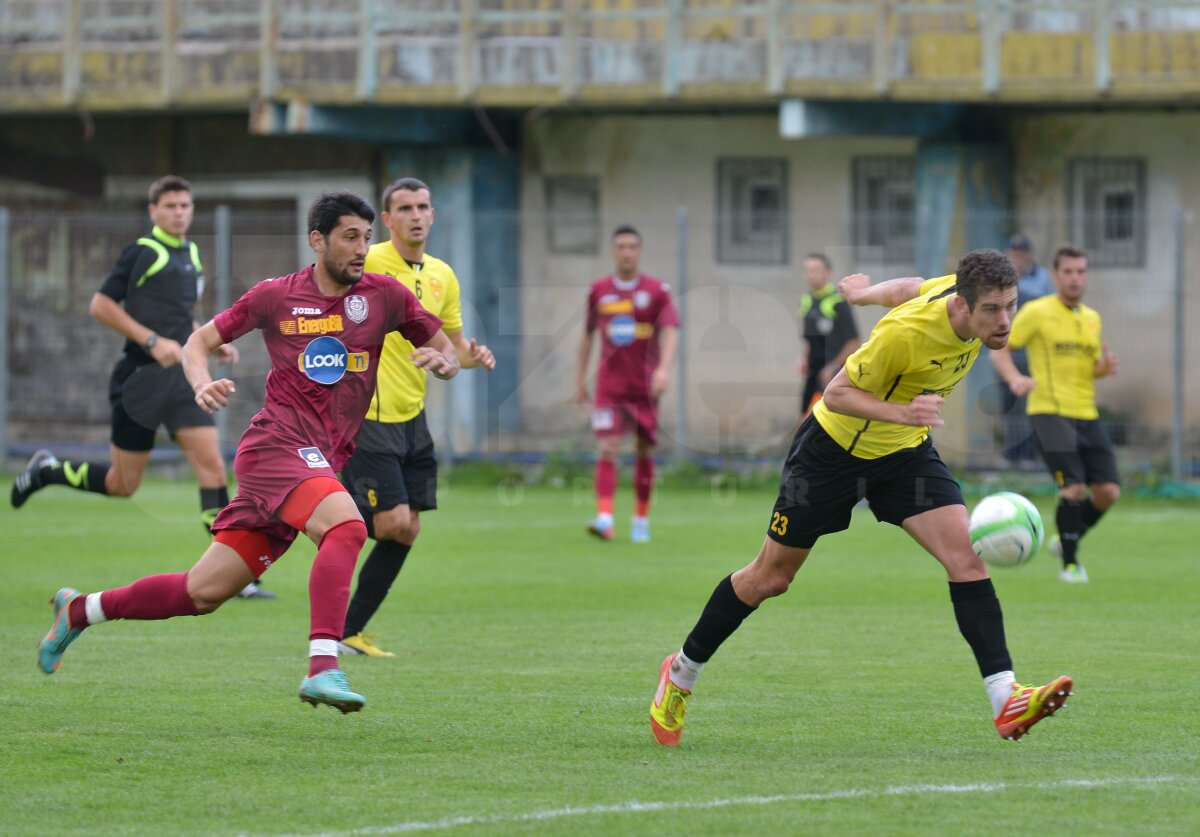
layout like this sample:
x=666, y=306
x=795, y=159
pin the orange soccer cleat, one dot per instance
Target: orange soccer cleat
x=1029, y=704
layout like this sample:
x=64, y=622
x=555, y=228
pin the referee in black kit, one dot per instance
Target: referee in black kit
x=149, y=298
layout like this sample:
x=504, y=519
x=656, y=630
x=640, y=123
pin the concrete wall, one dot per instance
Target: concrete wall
x=739, y=320
x=740, y=329
x=1137, y=304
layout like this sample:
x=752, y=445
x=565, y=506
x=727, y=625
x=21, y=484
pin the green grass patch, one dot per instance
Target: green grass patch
x=527, y=657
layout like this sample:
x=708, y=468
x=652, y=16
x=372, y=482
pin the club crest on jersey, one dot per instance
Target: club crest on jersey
x=357, y=308
x=622, y=330
x=641, y=299
x=326, y=359
x=313, y=457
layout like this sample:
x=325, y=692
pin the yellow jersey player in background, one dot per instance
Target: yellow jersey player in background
x=1066, y=356
x=393, y=473
x=869, y=437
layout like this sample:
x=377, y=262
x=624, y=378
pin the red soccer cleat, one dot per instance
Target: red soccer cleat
x=1029, y=704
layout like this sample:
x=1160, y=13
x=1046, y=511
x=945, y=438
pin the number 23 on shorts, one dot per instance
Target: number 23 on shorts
x=779, y=523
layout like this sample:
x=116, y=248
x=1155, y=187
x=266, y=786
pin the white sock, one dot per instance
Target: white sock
x=95, y=613
x=999, y=689
x=604, y=518
x=643, y=521
x=322, y=648
x=684, y=671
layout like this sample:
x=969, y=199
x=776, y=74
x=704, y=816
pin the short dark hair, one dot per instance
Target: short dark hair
x=626, y=229
x=1068, y=251
x=405, y=184
x=822, y=258
x=1020, y=241
x=170, y=183
x=983, y=270
x=328, y=210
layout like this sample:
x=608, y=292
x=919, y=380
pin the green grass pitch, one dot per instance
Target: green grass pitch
x=527, y=657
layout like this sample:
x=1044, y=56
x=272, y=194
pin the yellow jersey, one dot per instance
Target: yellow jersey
x=912, y=351
x=1063, y=345
x=400, y=386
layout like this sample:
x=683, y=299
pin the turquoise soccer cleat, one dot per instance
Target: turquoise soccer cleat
x=330, y=688
x=50, y=649
x=640, y=531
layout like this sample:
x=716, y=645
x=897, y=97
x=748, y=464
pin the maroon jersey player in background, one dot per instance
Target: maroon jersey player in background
x=639, y=330
x=324, y=329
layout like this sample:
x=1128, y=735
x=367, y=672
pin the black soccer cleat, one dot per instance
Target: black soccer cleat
x=30, y=479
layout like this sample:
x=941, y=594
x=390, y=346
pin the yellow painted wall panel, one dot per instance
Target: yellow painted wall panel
x=30, y=69
x=1155, y=53
x=939, y=55
x=1046, y=55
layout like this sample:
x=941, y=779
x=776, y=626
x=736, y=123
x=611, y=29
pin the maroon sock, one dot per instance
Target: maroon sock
x=329, y=580
x=606, y=483
x=77, y=612
x=320, y=663
x=153, y=597
x=643, y=483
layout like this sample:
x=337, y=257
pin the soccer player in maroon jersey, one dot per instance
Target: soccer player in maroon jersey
x=324, y=329
x=639, y=330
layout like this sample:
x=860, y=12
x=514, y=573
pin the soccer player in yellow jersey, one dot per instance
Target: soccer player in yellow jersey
x=869, y=437
x=393, y=473
x=1066, y=356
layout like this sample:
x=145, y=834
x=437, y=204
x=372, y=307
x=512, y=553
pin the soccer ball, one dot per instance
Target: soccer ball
x=1006, y=529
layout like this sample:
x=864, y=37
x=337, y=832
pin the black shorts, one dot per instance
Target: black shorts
x=822, y=483
x=147, y=396
x=1075, y=450
x=393, y=465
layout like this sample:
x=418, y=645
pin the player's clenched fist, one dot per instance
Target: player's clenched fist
x=924, y=410
x=215, y=394
x=851, y=287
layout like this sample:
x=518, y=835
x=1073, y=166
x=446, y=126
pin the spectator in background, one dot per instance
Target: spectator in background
x=826, y=328
x=1033, y=281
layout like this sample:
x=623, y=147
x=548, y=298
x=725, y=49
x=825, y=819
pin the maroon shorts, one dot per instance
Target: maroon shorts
x=267, y=472
x=620, y=418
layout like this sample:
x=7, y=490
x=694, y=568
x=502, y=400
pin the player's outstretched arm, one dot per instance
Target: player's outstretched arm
x=858, y=290
x=583, y=355
x=471, y=353
x=437, y=357
x=210, y=395
x=1007, y=370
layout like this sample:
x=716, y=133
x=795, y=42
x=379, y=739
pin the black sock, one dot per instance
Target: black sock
x=212, y=500
x=1091, y=516
x=720, y=618
x=982, y=624
x=87, y=476
x=374, y=581
x=1069, y=517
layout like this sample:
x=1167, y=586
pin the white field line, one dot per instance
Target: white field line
x=701, y=805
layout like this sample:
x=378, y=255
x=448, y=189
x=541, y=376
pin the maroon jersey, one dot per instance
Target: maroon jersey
x=628, y=316
x=324, y=355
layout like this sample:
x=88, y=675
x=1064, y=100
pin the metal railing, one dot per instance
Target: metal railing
x=150, y=53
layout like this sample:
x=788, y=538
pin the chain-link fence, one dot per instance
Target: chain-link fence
x=738, y=281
